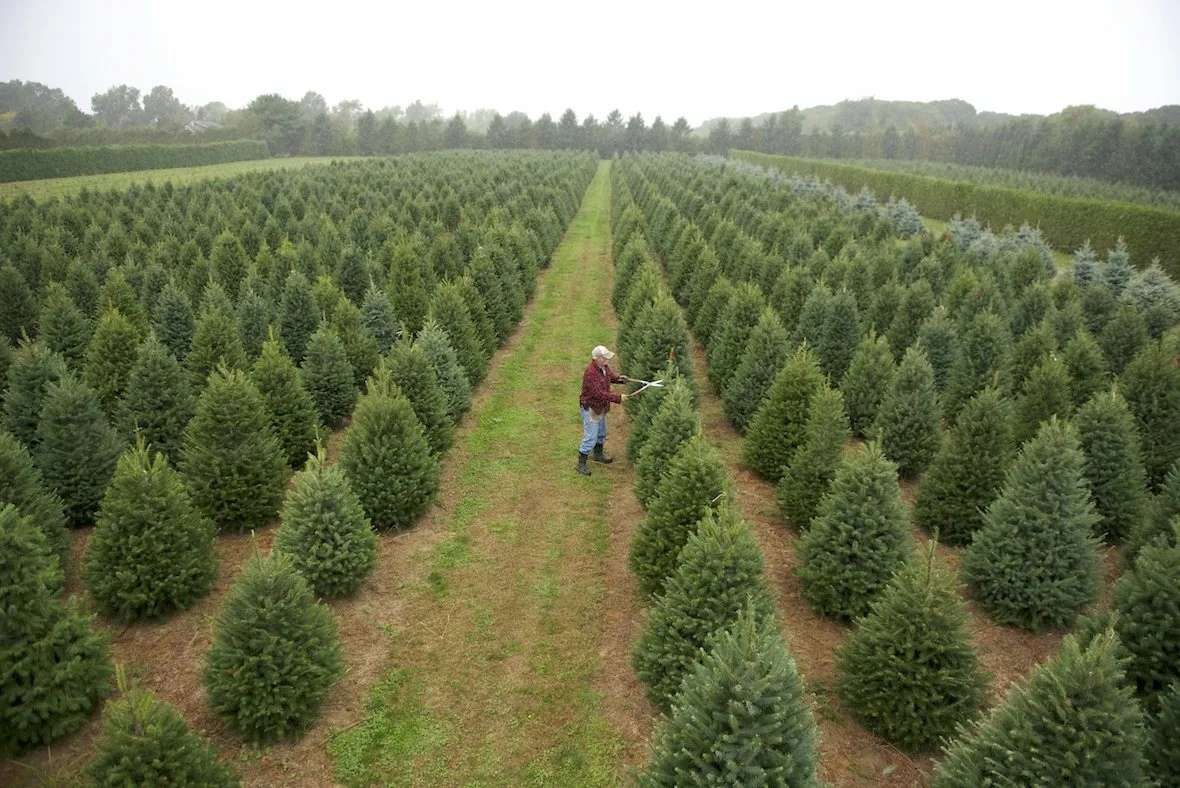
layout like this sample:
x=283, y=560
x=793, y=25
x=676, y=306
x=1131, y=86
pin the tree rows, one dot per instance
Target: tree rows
x=165, y=391
x=1035, y=410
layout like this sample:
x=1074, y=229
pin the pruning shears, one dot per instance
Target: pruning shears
x=658, y=384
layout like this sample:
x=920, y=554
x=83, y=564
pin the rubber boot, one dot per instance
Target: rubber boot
x=581, y=467
x=599, y=456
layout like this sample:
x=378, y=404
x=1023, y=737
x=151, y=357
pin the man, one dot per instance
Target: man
x=595, y=401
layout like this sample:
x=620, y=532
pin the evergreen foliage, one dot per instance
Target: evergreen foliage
x=452, y=378
x=174, y=321
x=360, y=347
x=275, y=653
x=325, y=530
x=151, y=552
x=1114, y=469
x=711, y=308
x=298, y=315
x=485, y=329
x=1045, y=393
x=253, y=323
x=377, y=316
x=1157, y=522
x=289, y=407
x=908, y=425
x=719, y=572
x=1071, y=723
x=157, y=403
x=1163, y=745
x=1088, y=373
x=35, y=368
x=450, y=312
x=659, y=336
x=56, y=668
x=869, y=375
x=765, y=352
x=407, y=285
x=1035, y=562
x=18, y=305
x=741, y=717
x=110, y=357
x=387, y=457
x=812, y=467
x=1123, y=337
x=984, y=360
x=413, y=373
x=731, y=335
x=858, y=538
x=1030, y=351
x=675, y=422
x=691, y=484
x=1147, y=599
x=64, y=328
x=1151, y=386
x=215, y=343
x=841, y=332
x=22, y=486
x=909, y=671
x=780, y=423
x=968, y=471
x=231, y=460
x=328, y=377
x=76, y=448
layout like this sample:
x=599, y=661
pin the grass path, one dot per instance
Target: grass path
x=497, y=672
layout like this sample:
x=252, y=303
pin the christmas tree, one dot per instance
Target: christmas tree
x=869, y=375
x=22, y=486
x=288, y=405
x=812, y=467
x=435, y=343
x=765, y=352
x=413, y=373
x=779, y=425
x=327, y=376
x=1147, y=599
x=1114, y=469
x=158, y=403
x=908, y=426
x=675, y=422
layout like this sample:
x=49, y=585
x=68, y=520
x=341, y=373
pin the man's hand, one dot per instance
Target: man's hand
x=623, y=397
x=624, y=379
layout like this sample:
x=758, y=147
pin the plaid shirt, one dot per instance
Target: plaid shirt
x=596, y=393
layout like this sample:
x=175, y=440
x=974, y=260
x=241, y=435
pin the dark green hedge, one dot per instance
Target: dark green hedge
x=1065, y=222
x=28, y=164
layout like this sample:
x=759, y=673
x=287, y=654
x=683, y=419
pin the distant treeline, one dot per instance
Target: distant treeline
x=28, y=164
x=1067, y=223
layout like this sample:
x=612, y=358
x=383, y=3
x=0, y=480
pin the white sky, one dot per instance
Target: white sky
x=735, y=58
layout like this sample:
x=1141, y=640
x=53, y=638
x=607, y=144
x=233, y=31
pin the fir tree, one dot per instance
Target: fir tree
x=1156, y=525
x=485, y=329
x=76, y=448
x=173, y=320
x=411, y=370
x=435, y=343
x=18, y=305
x=1117, y=272
x=64, y=328
x=940, y=340
x=227, y=260
x=253, y=319
x=1123, y=337
x=360, y=347
x=1030, y=351
x=789, y=294
x=298, y=315
x=718, y=574
x=1071, y=723
x=909, y=671
x=811, y=469
x=146, y=742
x=711, y=308
x=1088, y=373
x=869, y=375
x=659, y=335
x=1035, y=561
x=809, y=327
x=968, y=471
x=908, y=425
x=157, y=403
x=858, y=538
x=1147, y=599
x=1085, y=263
x=231, y=461
x=328, y=378
x=641, y=411
x=109, y=359
x=450, y=312
x=22, y=486
x=1151, y=386
x=29, y=377
x=1114, y=469
x=674, y=423
x=290, y=409
x=387, y=457
x=151, y=552
x=325, y=530
x=731, y=335
x=1045, y=393
x=741, y=717
x=378, y=317
x=983, y=360
x=56, y=668
x=1163, y=747
x=275, y=653
x=215, y=343
x=917, y=303
x=407, y=285
x=766, y=351
x=692, y=482
x=780, y=423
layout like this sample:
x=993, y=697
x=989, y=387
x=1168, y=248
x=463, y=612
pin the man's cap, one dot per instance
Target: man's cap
x=601, y=352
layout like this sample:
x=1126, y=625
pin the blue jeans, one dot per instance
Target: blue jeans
x=593, y=432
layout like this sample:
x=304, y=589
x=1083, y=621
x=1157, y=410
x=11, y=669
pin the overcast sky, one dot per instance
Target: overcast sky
x=735, y=58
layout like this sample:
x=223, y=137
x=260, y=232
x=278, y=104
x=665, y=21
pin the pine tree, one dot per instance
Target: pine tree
x=275, y=653
x=711, y=308
x=151, y=552
x=231, y=461
x=1147, y=599
x=215, y=343
x=1151, y=386
x=858, y=538
x=29, y=377
x=1088, y=373
x=1163, y=747
x=289, y=407
x=741, y=717
x=909, y=671
x=411, y=370
x=660, y=335
x=917, y=303
x=766, y=351
x=449, y=310
x=325, y=530
x=812, y=467
x=909, y=426
x=485, y=329
x=298, y=315
x=227, y=260
x=18, y=305
x=1029, y=351
x=76, y=448
x=253, y=323
x=64, y=328
x=1157, y=522
x=1071, y=723
x=984, y=360
x=692, y=482
x=675, y=422
x=809, y=326
x=435, y=343
x=387, y=457
x=641, y=411
x=110, y=357
x=328, y=378
x=360, y=347
x=1114, y=469
x=718, y=574
x=173, y=320
x=407, y=285
x=1123, y=337
x=1045, y=393
x=1035, y=561
x=968, y=471
x=157, y=403
x=146, y=742
x=56, y=668
x=22, y=486
x=1117, y=272
x=377, y=316
x=868, y=378
x=730, y=336
x=779, y=425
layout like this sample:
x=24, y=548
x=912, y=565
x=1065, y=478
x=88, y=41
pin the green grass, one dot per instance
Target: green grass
x=65, y=187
